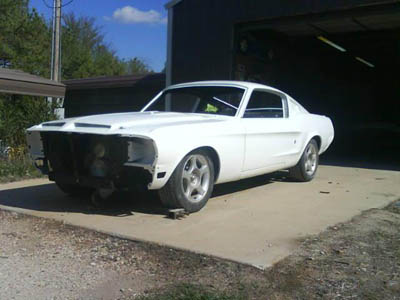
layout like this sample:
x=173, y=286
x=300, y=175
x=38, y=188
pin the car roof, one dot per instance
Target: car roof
x=241, y=84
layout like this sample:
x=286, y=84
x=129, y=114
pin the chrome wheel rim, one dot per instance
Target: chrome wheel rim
x=310, y=164
x=195, y=178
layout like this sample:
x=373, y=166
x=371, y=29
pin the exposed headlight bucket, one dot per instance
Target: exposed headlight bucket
x=99, y=150
x=141, y=151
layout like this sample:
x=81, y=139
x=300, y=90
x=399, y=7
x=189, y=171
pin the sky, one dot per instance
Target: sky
x=134, y=28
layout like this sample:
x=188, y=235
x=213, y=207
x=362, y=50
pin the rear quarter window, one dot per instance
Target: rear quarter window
x=264, y=105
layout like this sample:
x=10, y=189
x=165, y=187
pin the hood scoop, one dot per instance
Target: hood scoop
x=87, y=125
x=54, y=124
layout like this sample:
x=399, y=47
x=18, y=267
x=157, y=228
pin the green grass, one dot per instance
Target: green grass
x=192, y=292
x=17, y=169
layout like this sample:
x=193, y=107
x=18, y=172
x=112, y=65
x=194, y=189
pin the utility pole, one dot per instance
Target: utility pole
x=56, y=43
x=55, y=72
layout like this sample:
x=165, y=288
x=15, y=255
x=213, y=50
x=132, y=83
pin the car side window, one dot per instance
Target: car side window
x=264, y=105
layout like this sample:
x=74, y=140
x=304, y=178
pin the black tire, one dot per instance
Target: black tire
x=173, y=195
x=302, y=172
x=74, y=189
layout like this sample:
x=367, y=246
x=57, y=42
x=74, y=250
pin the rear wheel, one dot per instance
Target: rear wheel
x=74, y=189
x=306, y=168
x=191, y=184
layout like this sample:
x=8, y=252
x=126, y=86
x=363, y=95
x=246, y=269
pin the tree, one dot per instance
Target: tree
x=24, y=42
x=84, y=51
x=86, y=54
x=24, y=38
x=17, y=113
x=136, y=66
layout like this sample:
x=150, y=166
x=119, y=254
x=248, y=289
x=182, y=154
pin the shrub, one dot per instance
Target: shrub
x=17, y=113
x=17, y=169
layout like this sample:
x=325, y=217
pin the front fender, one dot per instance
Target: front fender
x=229, y=148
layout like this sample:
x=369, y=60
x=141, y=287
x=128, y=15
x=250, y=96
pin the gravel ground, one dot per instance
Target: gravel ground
x=40, y=259
x=44, y=259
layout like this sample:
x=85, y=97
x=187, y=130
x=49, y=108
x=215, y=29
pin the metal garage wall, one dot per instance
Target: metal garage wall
x=202, y=46
x=111, y=94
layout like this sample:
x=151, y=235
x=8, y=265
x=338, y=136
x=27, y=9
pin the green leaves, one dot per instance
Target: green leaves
x=24, y=38
x=25, y=44
x=135, y=66
x=86, y=54
x=17, y=169
x=17, y=113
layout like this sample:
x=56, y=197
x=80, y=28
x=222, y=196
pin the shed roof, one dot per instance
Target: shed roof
x=18, y=82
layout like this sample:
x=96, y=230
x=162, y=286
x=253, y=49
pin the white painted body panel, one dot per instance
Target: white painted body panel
x=245, y=147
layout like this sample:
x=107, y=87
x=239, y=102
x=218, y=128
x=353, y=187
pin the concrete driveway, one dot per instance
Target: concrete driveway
x=256, y=221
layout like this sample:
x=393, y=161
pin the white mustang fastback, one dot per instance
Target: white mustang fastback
x=188, y=138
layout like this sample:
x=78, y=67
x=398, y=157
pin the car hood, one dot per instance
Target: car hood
x=127, y=123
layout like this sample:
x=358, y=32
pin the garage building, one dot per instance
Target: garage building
x=111, y=94
x=338, y=58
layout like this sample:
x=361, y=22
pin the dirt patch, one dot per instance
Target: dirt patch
x=45, y=259
x=355, y=260
x=359, y=259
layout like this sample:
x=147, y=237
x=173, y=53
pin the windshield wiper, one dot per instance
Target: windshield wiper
x=226, y=103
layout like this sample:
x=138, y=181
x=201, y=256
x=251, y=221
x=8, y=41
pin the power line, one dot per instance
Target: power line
x=52, y=7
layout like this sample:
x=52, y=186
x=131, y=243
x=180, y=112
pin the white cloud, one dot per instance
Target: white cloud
x=132, y=15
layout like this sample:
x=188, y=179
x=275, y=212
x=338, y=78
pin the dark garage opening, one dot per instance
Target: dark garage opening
x=344, y=66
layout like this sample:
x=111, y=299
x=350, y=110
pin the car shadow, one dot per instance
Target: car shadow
x=49, y=198
x=249, y=183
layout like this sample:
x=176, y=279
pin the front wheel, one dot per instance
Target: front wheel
x=306, y=168
x=191, y=184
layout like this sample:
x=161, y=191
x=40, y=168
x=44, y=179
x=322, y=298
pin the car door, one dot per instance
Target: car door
x=270, y=134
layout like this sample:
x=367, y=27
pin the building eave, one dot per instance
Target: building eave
x=18, y=82
x=107, y=82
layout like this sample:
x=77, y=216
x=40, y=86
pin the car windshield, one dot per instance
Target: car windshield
x=203, y=100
